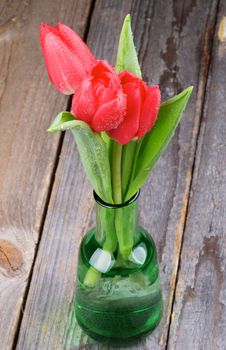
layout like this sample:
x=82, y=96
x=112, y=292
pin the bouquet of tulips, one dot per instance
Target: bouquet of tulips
x=116, y=119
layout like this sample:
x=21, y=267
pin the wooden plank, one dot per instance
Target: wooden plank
x=176, y=55
x=27, y=153
x=199, y=313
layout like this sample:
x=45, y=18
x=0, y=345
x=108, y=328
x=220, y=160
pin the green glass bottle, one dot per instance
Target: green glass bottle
x=118, y=292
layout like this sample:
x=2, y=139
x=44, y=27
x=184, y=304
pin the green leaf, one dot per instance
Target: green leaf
x=63, y=121
x=108, y=144
x=127, y=56
x=156, y=140
x=92, y=152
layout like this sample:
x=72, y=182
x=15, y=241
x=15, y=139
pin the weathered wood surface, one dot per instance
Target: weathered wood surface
x=199, y=313
x=27, y=153
x=174, y=42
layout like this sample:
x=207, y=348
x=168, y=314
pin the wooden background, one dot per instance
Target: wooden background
x=46, y=202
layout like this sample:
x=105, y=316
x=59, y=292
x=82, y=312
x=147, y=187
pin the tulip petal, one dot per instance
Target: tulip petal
x=64, y=68
x=105, y=82
x=102, y=92
x=110, y=115
x=45, y=29
x=129, y=126
x=150, y=109
x=127, y=77
x=84, y=102
x=77, y=45
x=101, y=68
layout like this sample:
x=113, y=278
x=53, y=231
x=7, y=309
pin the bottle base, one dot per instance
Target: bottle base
x=125, y=303
x=119, y=328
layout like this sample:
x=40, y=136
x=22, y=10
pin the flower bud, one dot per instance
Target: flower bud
x=99, y=99
x=68, y=59
x=142, y=107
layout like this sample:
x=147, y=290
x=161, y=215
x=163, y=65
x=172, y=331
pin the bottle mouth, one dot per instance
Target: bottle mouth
x=115, y=206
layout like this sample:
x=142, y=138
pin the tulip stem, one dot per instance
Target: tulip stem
x=133, y=170
x=123, y=244
x=92, y=275
x=127, y=165
x=116, y=172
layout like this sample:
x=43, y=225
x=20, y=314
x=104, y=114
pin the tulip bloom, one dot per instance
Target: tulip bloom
x=120, y=104
x=68, y=59
x=142, y=108
x=99, y=100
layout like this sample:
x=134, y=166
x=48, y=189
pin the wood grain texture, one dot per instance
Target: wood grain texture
x=199, y=313
x=175, y=55
x=27, y=153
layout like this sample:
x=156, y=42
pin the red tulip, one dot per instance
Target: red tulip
x=123, y=105
x=99, y=99
x=68, y=59
x=141, y=109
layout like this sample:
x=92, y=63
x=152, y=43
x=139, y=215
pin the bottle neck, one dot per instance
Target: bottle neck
x=116, y=226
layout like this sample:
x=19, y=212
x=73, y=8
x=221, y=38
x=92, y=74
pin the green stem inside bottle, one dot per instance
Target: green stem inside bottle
x=116, y=226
